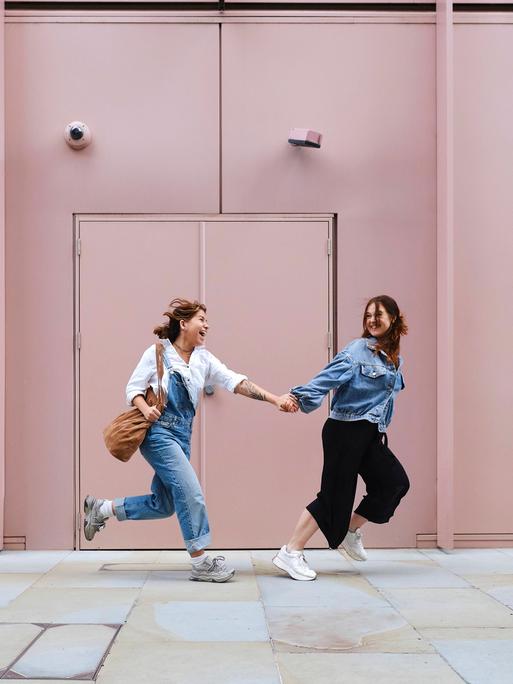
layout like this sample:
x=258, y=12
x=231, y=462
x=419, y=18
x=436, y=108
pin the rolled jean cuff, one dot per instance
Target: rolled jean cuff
x=119, y=509
x=197, y=544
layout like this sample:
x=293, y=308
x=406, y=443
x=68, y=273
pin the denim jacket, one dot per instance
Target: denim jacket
x=365, y=383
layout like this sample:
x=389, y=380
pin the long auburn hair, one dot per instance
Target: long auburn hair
x=390, y=342
x=179, y=310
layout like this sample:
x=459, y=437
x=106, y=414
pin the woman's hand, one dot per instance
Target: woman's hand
x=151, y=413
x=287, y=403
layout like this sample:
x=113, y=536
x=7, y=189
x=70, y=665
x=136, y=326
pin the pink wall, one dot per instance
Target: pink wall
x=370, y=89
x=150, y=93
x=2, y=282
x=445, y=275
x=484, y=279
x=155, y=149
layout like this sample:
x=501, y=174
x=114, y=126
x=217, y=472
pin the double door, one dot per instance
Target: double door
x=266, y=282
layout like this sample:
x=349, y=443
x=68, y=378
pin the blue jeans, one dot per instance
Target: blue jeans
x=175, y=487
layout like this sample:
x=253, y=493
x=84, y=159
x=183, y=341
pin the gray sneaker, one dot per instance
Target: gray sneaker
x=93, y=519
x=212, y=570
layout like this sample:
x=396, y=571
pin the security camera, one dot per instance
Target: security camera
x=304, y=137
x=77, y=135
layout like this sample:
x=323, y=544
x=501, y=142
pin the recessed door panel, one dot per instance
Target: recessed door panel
x=267, y=287
x=129, y=271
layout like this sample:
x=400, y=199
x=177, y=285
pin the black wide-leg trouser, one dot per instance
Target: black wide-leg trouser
x=352, y=449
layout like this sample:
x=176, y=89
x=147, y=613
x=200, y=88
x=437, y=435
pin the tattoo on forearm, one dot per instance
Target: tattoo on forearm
x=252, y=391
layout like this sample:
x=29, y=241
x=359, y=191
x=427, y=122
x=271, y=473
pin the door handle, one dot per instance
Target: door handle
x=209, y=390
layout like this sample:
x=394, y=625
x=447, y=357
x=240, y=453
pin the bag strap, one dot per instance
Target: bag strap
x=159, y=353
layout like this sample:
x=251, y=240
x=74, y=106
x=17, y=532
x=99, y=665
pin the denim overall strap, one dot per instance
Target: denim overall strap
x=166, y=362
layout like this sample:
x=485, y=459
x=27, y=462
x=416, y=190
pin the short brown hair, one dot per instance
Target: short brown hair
x=179, y=310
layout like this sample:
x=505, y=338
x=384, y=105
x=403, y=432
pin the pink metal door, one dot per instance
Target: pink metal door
x=266, y=285
x=268, y=290
x=129, y=271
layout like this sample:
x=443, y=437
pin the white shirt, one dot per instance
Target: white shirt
x=203, y=369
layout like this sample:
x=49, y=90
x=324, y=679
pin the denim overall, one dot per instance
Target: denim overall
x=175, y=487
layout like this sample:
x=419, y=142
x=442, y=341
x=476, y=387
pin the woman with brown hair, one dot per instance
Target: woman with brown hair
x=366, y=376
x=166, y=447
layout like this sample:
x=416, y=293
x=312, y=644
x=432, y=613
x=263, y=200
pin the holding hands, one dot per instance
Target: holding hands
x=287, y=403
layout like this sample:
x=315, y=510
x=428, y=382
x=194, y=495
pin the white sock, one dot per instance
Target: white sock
x=106, y=509
x=292, y=552
x=198, y=560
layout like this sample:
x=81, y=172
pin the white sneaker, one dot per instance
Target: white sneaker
x=294, y=563
x=353, y=546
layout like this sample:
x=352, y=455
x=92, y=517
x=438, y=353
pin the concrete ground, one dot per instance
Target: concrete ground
x=405, y=615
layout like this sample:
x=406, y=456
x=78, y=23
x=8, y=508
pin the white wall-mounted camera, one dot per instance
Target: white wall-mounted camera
x=77, y=135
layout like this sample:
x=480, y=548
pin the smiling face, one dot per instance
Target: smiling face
x=377, y=319
x=194, y=330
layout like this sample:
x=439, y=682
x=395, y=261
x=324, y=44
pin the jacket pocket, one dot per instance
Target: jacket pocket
x=372, y=371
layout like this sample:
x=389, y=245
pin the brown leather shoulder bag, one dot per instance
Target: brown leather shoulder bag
x=126, y=433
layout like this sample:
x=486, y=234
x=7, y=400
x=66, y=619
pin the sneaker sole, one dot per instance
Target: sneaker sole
x=353, y=555
x=300, y=578
x=212, y=579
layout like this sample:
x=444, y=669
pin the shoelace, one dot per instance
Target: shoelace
x=97, y=525
x=218, y=562
x=303, y=563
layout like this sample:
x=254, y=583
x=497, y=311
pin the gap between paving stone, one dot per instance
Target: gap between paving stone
x=145, y=567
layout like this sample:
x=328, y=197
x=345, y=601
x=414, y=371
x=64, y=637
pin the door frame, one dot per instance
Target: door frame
x=202, y=219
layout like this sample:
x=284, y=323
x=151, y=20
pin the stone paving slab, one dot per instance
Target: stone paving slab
x=222, y=621
x=34, y=562
x=13, y=585
x=473, y=561
x=63, y=606
x=136, y=661
x=173, y=585
x=413, y=573
x=479, y=661
x=14, y=639
x=347, y=592
x=364, y=668
x=499, y=587
x=65, y=652
x=322, y=628
x=90, y=576
x=449, y=608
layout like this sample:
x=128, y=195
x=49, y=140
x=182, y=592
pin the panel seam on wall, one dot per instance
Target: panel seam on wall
x=220, y=143
x=203, y=413
x=76, y=382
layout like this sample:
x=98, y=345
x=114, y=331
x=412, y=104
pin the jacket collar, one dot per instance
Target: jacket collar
x=371, y=344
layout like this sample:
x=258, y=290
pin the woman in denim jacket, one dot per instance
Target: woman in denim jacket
x=366, y=377
x=166, y=447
